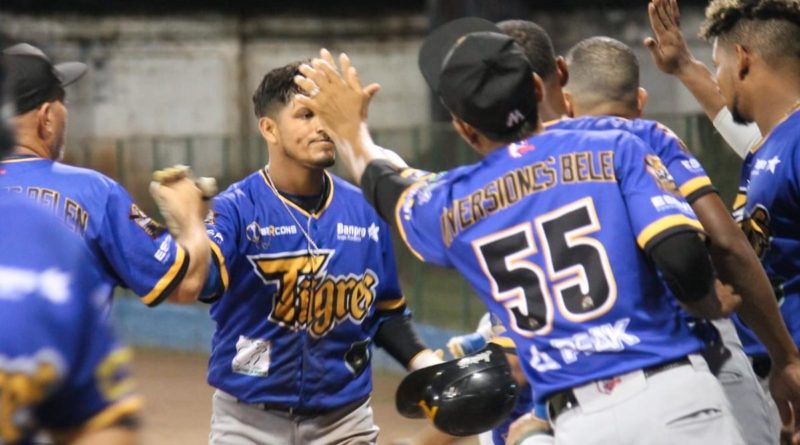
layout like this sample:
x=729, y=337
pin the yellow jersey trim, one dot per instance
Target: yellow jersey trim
x=766, y=136
x=166, y=280
x=694, y=185
x=663, y=224
x=223, y=269
x=388, y=305
x=400, y=229
x=504, y=342
x=553, y=121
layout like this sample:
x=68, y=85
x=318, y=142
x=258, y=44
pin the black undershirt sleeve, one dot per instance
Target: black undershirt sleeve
x=383, y=185
x=397, y=336
x=683, y=260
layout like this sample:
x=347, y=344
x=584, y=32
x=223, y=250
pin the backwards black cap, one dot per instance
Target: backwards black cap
x=32, y=79
x=461, y=397
x=481, y=75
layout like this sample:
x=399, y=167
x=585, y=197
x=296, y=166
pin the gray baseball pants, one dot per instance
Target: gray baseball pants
x=754, y=409
x=681, y=405
x=234, y=423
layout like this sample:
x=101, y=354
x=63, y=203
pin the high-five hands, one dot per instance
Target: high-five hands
x=337, y=98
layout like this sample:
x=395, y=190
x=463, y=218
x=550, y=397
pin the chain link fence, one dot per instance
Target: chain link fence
x=437, y=296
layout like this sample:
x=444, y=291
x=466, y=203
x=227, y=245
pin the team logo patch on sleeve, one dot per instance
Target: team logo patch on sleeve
x=756, y=228
x=149, y=225
x=660, y=174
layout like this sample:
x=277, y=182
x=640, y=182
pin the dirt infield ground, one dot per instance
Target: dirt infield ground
x=179, y=400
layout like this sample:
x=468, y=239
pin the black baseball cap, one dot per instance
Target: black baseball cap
x=481, y=75
x=32, y=79
x=461, y=397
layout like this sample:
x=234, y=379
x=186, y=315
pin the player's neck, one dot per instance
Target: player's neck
x=608, y=109
x=31, y=148
x=296, y=180
x=772, y=107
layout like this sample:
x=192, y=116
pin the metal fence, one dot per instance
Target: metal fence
x=437, y=296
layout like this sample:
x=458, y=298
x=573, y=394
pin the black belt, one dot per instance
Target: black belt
x=299, y=411
x=564, y=400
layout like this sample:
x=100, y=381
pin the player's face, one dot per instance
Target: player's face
x=725, y=60
x=302, y=137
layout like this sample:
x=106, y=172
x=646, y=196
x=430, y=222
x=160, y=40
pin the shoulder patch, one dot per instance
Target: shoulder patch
x=660, y=174
x=149, y=225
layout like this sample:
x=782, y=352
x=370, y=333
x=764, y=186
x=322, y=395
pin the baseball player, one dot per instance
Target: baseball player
x=757, y=59
x=128, y=248
x=61, y=368
x=303, y=284
x=528, y=226
x=671, y=55
x=604, y=93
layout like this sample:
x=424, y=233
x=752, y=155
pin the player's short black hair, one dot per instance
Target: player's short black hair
x=536, y=43
x=276, y=89
x=602, y=70
x=770, y=27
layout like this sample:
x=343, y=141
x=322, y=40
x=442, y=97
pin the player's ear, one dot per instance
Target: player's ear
x=743, y=61
x=641, y=101
x=562, y=71
x=466, y=131
x=538, y=88
x=569, y=102
x=44, y=120
x=269, y=130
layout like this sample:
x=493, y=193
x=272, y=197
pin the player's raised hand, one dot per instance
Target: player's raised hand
x=337, y=98
x=667, y=46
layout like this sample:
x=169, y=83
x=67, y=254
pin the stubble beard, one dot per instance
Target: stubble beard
x=738, y=117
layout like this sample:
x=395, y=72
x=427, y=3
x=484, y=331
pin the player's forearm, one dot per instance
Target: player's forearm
x=740, y=268
x=194, y=240
x=697, y=78
x=357, y=150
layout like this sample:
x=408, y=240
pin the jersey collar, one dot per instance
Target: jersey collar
x=315, y=215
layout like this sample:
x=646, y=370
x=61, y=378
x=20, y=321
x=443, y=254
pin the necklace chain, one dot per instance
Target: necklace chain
x=312, y=246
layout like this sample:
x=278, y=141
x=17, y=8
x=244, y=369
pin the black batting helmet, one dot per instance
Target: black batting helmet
x=462, y=397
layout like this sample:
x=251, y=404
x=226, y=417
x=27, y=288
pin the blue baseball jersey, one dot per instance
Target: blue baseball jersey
x=304, y=295
x=768, y=209
x=551, y=232
x=61, y=368
x=127, y=247
x=690, y=177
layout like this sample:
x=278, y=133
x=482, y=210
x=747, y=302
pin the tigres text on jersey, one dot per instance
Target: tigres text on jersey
x=61, y=368
x=295, y=320
x=552, y=233
x=127, y=247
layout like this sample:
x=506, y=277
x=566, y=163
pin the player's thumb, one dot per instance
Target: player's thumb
x=372, y=89
x=650, y=43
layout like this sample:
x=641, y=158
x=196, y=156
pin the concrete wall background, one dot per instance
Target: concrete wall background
x=194, y=75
